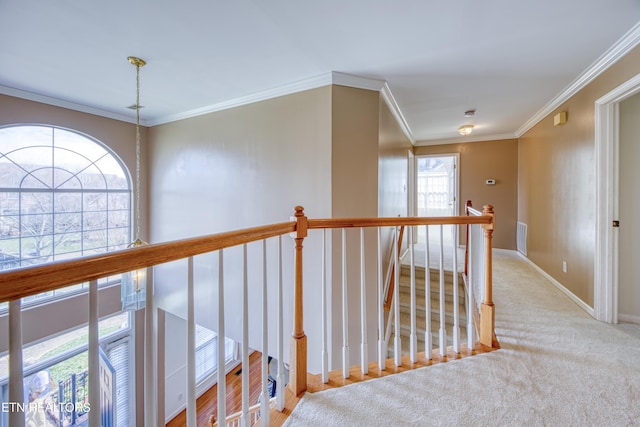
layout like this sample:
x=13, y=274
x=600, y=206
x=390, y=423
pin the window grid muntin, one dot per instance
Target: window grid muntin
x=115, y=184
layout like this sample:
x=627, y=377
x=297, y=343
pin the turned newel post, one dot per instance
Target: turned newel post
x=487, y=312
x=298, y=344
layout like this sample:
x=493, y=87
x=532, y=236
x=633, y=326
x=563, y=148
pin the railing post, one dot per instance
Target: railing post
x=487, y=310
x=298, y=342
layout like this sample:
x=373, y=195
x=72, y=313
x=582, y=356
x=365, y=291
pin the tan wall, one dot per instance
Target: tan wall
x=354, y=193
x=392, y=165
x=556, y=192
x=480, y=161
x=231, y=169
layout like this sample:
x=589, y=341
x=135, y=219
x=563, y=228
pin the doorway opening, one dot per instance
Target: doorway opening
x=607, y=149
x=437, y=188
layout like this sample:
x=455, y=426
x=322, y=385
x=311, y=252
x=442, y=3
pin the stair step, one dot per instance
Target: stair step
x=405, y=286
x=405, y=308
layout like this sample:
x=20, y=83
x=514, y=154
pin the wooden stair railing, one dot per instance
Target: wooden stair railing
x=392, y=265
x=22, y=282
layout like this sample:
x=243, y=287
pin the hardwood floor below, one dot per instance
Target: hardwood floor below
x=207, y=403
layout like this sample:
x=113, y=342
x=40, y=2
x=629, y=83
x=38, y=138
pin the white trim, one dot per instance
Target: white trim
x=43, y=99
x=389, y=99
x=606, y=204
x=623, y=46
x=583, y=305
x=463, y=139
x=628, y=318
x=350, y=80
x=286, y=89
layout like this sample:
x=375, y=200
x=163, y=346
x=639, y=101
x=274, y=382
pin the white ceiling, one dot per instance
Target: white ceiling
x=505, y=58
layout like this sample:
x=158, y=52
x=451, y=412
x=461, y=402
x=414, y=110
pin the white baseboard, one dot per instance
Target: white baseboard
x=629, y=318
x=583, y=305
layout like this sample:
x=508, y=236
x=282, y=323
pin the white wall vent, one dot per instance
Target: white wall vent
x=521, y=238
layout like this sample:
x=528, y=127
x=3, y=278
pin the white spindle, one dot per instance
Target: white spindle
x=222, y=380
x=325, y=353
x=443, y=329
x=280, y=379
x=470, y=291
x=264, y=400
x=397, y=347
x=364, y=358
x=151, y=355
x=94, y=357
x=244, y=418
x=191, y=347
x=456, y=314
x=382, y=345
x=413, y=338
x=428, y=339
x=345, y=309
x=16, y=380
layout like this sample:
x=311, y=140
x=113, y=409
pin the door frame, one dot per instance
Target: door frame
x=456, y=178
x=607, y=143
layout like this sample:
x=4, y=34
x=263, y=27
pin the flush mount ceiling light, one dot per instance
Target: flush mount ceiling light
x=465, y=130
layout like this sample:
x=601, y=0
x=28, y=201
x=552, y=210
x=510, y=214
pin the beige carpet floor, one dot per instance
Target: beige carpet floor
x=557, y=367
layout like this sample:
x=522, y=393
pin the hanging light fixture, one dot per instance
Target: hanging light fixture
x=134, y=283
x=465, y=130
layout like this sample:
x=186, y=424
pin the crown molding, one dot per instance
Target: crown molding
x=314, y=82
x=43, y=99
x=463, y=139
x=351, y=80
x=389, y=99
x=286, y=89
x=622, y=47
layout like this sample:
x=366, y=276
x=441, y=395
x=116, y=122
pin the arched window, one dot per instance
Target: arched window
x=62, y=195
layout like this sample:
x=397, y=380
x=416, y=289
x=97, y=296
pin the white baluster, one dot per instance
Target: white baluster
x=16, y=380
x=264, y=400
x=397, y=348
x=150, y=353
x=191, y=347
x=222, y=380
x=325, y=353
x=94, y=357
x=244, y=418
x=470, y=291
x=280, y=379
x=428, y=339
x=345, y=309
x=364, y=358
x=382, y=345
x=443, y=329
x=456, y=314
x=413, y=339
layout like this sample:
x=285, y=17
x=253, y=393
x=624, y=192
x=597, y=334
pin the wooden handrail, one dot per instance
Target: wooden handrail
x=32, y=280
x=396, y=221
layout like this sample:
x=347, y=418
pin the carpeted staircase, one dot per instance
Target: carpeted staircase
x=405, y=308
